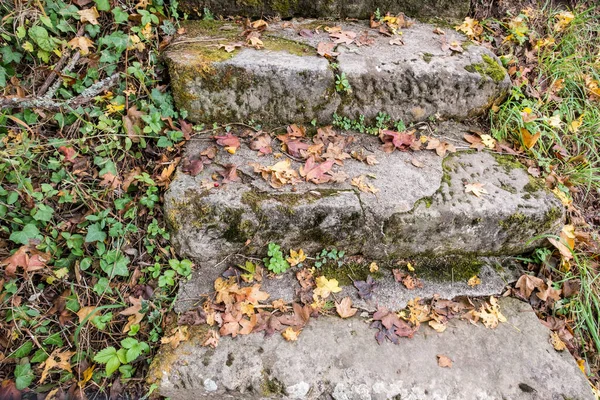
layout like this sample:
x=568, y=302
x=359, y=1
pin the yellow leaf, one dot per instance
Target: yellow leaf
x=410, y=267
x=85, y=311
x=529, y=140
x=575, y=125
x=563, y=20
x=488, y=141
x=89, y=15
x=290, y=334
x=147, y=31
x=87, y=375
x=114, y=108
x=344, y=308
x=581, y=364
x=326, y=286
x=438, y=326
x=490, y=314
x=470, y=27
x=82, y=43
x=564, y=198
x=474, y=281
x=296, y=257
x=373, y=267
x=556, y=342
x=61, y=273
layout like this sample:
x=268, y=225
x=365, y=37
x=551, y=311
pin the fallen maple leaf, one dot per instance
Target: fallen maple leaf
x=316, y=173
x=366, y=288
x=474, y=281
x=326, y=286
x=178, y=335
x=296, y=257
x=363, y=186
x=51, y=362
x=325, y=49
x=344, y=308
x=527, y=284
x=82, y=43
x=444, y=361
x=475, y=188
x=89, y=15
x=290, y=334
x=345, y=37
x=556, y=342
x=437, y=326
x=229, y=141
x=262, y=144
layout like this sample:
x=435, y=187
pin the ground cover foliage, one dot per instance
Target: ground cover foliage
x=89, y=139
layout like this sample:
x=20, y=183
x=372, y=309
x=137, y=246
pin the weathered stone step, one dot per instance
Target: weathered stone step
x=287, y=82
x=416, y=212
x=362, y=9
x=340, y=359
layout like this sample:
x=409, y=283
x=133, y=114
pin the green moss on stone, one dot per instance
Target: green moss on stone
x=291, y=46
x=489, y=67
x=347, y=272
x=448, y=268
x=271, y=387
x=427, y=57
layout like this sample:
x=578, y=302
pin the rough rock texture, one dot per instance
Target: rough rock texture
x=448, y=282
x=362, y=9
x=418, y=212
x=339, y=359
x=287, y=82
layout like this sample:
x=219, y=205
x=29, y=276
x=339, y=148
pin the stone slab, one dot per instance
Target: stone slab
x=449, y=283
x=287, y=82
x=451, y=10
x=418, y=212
x=340, y=359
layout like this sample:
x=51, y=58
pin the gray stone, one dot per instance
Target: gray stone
x=341, y=359
x=426, y=9
x=448, y=282
x=418, y=212
x=286, y=82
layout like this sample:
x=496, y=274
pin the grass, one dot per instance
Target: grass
x=556, y=74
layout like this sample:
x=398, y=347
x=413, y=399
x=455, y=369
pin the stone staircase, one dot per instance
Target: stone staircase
x=400, y=205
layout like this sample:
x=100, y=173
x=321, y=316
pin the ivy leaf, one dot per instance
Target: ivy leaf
x=103, y=5
x=95, y=234
x=43, y=213
x=40, y=36
x=23, y=376
x=29, y=232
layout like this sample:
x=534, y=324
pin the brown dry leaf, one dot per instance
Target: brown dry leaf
x=556, y=342
x=109, y=180
x=89, y=15
x=438, y=326
x=51, y=362
x=474, y=281
x=549, y=292
x=417, y=163
x=332, y=29
x=529, y=140
x=230, y=142
x=178, y=335
x=411, y=282
x=325, y=49
x=132, y=122
x=262, y=144
x=260, y=24
x=256, y=43
x=135, y=316
x=566, y=243
x=528, y=283
x=316, y=173
x=212, y=339
x=230, y=47
x=490, y=314
x=444, y=361
x=83, y=43
x=26, y=257
x=418, y=312
x=290, y=334
x=344, y=308
x=475, y=188
x=397, y=41
x=85, y=311
x=363, y=186
x=476, y=142
x=345, y=37
x=439, y=31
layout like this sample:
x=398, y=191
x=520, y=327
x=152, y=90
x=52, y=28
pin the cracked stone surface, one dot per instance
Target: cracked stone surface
x=418, y=212
x=287, y=82
x=362, y=9
x=340, y=359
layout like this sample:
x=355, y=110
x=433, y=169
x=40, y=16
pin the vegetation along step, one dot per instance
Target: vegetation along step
x=362, y=9
x=340, y=359
x=302, y=71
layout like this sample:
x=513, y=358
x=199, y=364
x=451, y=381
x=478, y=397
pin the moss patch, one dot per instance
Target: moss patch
x=489, y=67
x=347, y=272
x=270, y=386
x=448, y=268
x=291, y=46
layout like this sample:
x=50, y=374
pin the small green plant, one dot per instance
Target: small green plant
x=207, y=15
x=275, y=262
x=114, y=359
x=342, y=84
x=326, y=256
x=377, y=15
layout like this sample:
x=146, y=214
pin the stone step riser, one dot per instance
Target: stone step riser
x=288, y=83
x=361, y=9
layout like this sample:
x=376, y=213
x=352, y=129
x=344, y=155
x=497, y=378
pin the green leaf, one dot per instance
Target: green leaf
x=30, y=231
x=122, y=354
x=102, y=5
x=128, y=342
x=115, y=263
x=23, y=376
x=54, y=339
x=95, y=233
x=43, y=213
x=22, y=351
x=39, y=356
x=40, y=36
x=120, y=15
x=105, y=355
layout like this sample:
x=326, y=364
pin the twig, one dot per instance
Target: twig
x=53, y=105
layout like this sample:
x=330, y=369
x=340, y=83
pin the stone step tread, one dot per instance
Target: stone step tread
x=434, y=280
x=363, y=9
x=287, y=82
x=340, y=359
x=418, y=212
